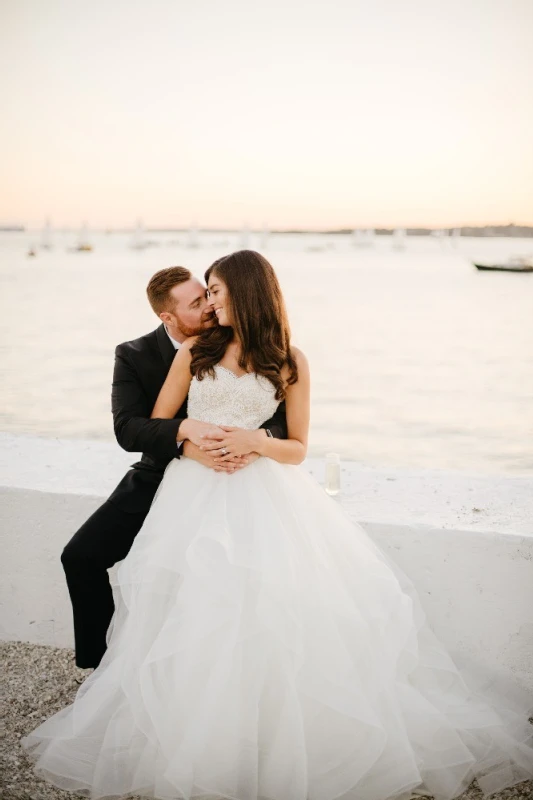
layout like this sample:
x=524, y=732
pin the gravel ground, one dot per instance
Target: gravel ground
x=41, y=680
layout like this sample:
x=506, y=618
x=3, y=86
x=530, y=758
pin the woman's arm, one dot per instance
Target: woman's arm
x=287, y=451
x=176, y=386
x=298, y=405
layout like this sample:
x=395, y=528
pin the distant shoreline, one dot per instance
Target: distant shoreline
x=518, y=231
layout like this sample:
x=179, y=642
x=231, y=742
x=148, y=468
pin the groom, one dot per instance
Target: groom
x=141, y=366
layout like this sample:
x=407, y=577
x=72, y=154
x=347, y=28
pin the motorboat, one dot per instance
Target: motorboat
x=513, y=264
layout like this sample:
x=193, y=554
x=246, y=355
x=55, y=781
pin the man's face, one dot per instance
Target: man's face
x=189, y=311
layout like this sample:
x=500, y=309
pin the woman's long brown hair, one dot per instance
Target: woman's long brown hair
x=259, y=320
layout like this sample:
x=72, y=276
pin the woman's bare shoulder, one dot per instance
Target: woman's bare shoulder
x=302, y=365
x=300, y=357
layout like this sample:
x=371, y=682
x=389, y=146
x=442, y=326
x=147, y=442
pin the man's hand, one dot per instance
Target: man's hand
x=235, y=442
x=190, y=450
x=199, y=432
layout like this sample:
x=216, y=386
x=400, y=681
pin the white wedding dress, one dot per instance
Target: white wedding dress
x=264, y=648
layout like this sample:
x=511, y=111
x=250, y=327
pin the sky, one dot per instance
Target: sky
x=285, y=114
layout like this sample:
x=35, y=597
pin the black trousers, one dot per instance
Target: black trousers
x=104, y=539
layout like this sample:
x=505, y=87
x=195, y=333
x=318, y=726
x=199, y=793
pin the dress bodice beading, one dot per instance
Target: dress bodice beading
x=244, y=401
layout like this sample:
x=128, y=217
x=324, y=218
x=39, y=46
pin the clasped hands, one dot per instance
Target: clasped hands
x=221, y=447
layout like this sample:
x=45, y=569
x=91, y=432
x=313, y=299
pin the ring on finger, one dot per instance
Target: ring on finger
x=224, y=451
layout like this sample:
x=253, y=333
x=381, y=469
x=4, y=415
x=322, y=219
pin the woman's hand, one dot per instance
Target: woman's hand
x=237, y=442
x=200, y=432
x=193, y=452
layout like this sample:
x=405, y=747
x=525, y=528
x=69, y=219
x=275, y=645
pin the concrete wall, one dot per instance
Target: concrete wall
x=466, y=541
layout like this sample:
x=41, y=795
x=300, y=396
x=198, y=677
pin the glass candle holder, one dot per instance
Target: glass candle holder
x=333, y=474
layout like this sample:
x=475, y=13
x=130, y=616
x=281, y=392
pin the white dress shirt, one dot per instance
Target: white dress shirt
x=176, y=344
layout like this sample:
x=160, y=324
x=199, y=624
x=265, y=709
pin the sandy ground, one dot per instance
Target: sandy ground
x=40, y=680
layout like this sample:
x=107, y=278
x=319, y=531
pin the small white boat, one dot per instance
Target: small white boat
x=513, y=264
x=194, y=240
x=138, y=241
x=245, y=238
x=84, y=245
x=265, y=236
x=363, y=238
x=398, y=239
x=46, y=241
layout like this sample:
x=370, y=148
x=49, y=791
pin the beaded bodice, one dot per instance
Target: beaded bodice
x=245, y=402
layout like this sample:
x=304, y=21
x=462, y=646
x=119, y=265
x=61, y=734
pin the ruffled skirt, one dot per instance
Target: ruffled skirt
x=264, y=648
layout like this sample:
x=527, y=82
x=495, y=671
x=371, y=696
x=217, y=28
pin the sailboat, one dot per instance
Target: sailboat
x=445, y=237
x=83, y=246
x=46, y=242
x=244, y=241
x=370, y=234
x=265, y=236
x=357, y=238
x=139, y=242
x=363, y=238
x=193, y=237
x=398, y=239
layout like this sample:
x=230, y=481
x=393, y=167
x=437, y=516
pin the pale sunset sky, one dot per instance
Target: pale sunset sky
x=290, y=113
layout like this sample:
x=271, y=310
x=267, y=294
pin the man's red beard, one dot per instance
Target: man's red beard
x=208, y=320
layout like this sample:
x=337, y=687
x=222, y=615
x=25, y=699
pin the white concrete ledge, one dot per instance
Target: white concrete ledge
x=466, y=541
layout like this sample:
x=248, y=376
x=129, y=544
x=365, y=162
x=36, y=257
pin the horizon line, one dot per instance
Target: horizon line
x=6, y=227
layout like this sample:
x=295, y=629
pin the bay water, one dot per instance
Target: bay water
x=417, y=358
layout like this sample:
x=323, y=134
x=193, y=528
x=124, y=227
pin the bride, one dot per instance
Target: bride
x=263, y=647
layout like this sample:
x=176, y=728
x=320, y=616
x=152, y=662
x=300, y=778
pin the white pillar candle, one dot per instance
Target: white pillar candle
x=333, y=474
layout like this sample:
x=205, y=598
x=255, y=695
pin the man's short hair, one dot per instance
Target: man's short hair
x=160, y=284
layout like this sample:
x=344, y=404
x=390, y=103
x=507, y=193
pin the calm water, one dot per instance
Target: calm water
x=417, y=358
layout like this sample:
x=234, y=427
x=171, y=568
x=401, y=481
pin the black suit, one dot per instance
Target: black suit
x=141, y=367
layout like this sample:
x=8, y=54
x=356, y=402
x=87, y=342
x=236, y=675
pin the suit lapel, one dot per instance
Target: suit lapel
x=165, y=346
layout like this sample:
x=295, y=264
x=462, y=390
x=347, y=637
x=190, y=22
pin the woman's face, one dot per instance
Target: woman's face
x=218, y=299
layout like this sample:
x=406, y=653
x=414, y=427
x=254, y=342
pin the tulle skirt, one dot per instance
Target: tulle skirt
x=264, y=648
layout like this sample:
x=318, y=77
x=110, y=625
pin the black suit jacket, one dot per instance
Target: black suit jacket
x=141, y=367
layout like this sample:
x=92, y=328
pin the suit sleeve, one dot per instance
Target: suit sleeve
x=277, y=424
x=134, y=430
